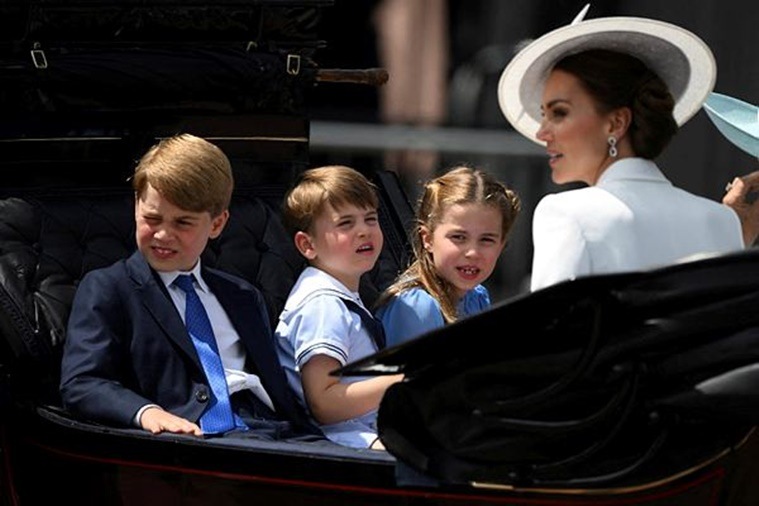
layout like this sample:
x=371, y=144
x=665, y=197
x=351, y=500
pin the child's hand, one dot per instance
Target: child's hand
x=156, y=420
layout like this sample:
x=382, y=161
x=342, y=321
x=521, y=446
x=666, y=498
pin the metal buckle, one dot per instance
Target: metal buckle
x=293, y=64
x=38, y=57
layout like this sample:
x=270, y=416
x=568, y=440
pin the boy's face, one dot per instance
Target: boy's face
x=344, y=243
x=170, y=238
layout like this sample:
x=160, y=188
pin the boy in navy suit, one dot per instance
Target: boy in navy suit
x=129, y=359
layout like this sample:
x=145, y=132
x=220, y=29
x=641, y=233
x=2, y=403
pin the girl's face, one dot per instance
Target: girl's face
x=575, y=133
x=344, y=242
x=465, y=245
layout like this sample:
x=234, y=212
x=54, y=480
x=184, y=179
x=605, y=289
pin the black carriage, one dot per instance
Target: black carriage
x=625, y=389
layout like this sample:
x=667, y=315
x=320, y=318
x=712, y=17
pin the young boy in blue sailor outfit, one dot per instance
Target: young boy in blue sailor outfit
x=332, y=214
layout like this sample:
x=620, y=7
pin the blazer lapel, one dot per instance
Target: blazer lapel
x=158, y=304
x=255, y=333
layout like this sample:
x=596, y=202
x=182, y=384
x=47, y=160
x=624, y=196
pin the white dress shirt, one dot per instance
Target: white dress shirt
x=231, y=349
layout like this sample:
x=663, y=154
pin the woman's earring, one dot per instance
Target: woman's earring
x=612, y=146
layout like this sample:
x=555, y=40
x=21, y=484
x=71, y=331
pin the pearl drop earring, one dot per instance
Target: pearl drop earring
x=612, y=146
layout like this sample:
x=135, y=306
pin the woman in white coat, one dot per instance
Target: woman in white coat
x=605, y=97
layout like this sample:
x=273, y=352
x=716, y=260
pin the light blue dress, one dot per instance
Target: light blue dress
x=415, y=312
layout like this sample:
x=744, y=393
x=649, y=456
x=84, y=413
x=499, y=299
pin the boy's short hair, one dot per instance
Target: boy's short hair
x=190, y=172
x=334, y=184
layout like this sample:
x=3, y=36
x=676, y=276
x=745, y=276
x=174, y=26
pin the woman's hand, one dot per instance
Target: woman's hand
x=741, y=195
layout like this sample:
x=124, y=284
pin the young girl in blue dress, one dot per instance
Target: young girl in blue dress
x=463, y=219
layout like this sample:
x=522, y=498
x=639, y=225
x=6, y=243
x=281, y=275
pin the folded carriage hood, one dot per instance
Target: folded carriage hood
x=604, y=380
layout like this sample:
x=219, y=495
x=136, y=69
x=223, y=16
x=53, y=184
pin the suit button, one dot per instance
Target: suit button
x=202, y=395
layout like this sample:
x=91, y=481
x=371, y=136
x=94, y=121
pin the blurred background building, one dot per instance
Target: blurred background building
x=439, y=107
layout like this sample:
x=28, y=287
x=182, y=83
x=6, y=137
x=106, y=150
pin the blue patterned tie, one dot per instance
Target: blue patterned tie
x=218, y=417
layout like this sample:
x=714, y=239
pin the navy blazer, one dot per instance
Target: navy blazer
x=127, y=346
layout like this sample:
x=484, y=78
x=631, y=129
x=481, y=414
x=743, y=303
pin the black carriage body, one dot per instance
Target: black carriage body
x=85, y=88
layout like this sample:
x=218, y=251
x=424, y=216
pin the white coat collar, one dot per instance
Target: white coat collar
x=631, y=168
x=313, y=279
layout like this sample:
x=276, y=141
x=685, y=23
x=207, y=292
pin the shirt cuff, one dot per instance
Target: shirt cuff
x=138, y=416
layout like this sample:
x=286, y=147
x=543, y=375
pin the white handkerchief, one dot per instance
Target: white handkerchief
x=240, y=380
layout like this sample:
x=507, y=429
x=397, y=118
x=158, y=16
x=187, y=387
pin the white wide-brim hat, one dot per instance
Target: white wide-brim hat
x=679, y=57
x=737, y=120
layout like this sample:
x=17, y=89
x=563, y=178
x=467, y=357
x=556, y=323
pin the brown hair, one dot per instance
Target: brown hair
x=460, y=185
x=190, y=172
x=616, y=80
x=334, y=184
